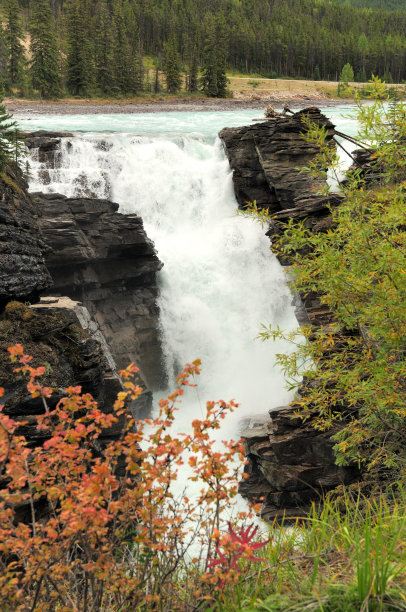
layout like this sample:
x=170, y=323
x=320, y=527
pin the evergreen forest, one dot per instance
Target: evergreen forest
x=117, y=48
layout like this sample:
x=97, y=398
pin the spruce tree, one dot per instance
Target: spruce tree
x=44, y=69
x=221, y=56
x=171, y=67
x=80, y=63
x=208, y=80
x=15, y=49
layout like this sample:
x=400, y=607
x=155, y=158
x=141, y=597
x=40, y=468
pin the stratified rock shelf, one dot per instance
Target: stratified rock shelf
x=266, y=157
x=105, y=260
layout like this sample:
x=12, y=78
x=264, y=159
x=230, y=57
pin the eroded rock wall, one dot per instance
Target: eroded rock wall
x=105, y=260
x=266, y=158
x=23, y=273
x=291, y=464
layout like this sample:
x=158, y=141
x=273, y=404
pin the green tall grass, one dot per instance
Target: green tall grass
x=348, y=557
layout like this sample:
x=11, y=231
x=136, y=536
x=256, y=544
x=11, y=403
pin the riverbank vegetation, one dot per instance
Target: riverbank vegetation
x=354, y=367
x=121, y=48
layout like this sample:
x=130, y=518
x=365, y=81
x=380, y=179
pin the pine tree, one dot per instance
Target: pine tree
x=221, y=56
x=80, y=63
x=316, y=75
x=45, y=74
x=127, y=62
x=193, y=80
x=157, y=85
x=347, y=74
x=9, y=137
x=104, y=50
x=208, y=79
x=3, y=52
x=171, y=67
x=15, y=49
x=361, y=76
x=363, y=47
x=387, y=77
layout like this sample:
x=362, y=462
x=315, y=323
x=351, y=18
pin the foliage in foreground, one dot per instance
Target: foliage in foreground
x=116, y=538
x=103, y=526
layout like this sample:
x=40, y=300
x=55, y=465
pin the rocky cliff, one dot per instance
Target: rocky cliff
x=83, y=249
x=23, y=273
x=105, y=260
x=290, y=463
x=266, y=158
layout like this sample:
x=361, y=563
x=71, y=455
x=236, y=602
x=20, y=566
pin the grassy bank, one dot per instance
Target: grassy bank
x=242, y=87
x=348, y=558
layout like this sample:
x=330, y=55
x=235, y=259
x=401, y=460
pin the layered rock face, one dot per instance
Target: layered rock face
x=46, y=144
x=92, y=254
x=57, y=334
x=265, y=158
x=290, y=463
x=106, y=261
x=23, y=273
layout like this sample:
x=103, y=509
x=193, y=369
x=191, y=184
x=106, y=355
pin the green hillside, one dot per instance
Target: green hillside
x=98, y=46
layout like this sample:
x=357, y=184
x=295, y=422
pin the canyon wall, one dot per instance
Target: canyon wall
x=291, y=464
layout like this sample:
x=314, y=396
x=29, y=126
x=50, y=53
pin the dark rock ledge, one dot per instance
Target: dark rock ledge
x=290, y=463
x=105, y=260
x=80, y=250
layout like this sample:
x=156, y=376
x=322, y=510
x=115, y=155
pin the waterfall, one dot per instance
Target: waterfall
x=219, y=282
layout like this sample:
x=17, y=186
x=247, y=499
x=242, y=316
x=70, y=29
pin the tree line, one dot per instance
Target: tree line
x=123, y=47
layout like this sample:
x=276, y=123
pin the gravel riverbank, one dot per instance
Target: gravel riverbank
x=84, y=107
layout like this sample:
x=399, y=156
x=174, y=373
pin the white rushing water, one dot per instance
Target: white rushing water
x=220, y=280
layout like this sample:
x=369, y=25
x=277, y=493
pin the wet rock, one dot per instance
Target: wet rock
x=46, y=144
x=290, y=465
x=106, y=261
x=22, y=267
x=266, y=157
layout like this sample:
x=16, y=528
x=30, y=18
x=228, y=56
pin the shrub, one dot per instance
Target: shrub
x=355, y=368
x=105, y=529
